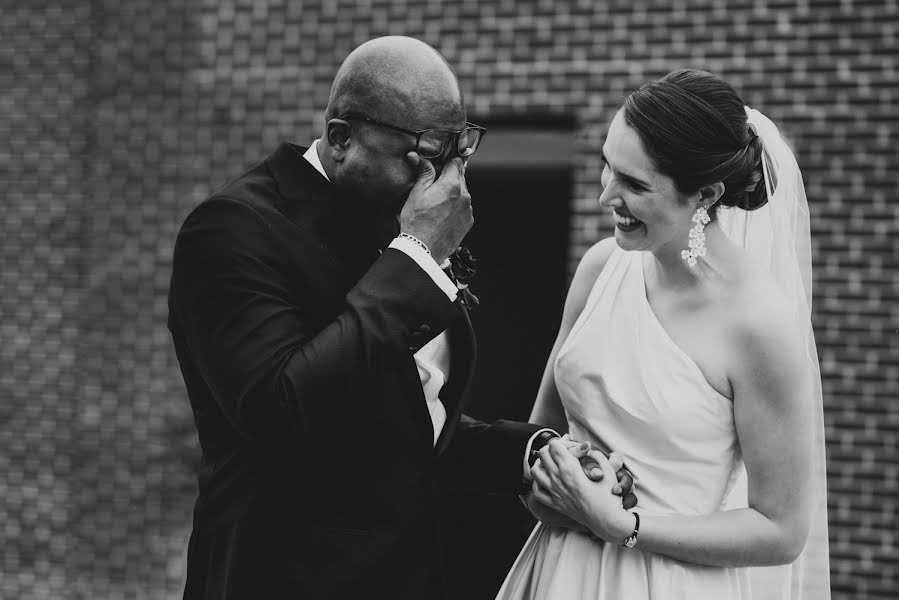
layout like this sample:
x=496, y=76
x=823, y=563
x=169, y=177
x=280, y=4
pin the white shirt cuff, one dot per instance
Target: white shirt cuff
x=527, y=450
x=430, y=266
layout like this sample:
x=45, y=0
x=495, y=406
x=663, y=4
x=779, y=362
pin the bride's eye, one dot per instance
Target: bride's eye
x=635, y=186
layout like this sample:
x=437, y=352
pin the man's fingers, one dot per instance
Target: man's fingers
x=459, y=164
x=424, y=170
x=463, y=182
x=452, y=173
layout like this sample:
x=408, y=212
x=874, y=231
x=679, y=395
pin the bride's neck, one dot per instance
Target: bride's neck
x=670, y=270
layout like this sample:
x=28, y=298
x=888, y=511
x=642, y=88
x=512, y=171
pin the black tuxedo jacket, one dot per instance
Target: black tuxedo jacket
x=295, y=336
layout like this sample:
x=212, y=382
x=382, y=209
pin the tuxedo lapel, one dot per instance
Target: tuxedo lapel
x=341, y=243
x=463, y=354
x=340, y=248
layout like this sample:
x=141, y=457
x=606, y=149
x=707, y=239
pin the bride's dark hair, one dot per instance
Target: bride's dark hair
x=693, y=126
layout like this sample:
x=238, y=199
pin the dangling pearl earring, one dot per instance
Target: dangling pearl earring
x=697, y=236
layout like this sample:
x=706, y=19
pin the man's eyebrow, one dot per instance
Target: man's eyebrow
x=629, y=178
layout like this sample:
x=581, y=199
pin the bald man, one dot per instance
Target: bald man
x=326, y=354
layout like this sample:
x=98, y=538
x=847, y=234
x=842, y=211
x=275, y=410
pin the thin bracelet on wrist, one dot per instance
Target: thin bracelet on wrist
x=631, y=540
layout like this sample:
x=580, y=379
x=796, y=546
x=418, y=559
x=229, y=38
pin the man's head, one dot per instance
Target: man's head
x=387, y=83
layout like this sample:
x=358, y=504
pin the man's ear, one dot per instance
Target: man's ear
x=338, y=138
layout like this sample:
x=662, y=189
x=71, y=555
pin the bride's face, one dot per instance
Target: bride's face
x=650, y=213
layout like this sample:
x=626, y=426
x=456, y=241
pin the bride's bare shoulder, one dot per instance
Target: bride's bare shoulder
x=588, y=270
x=596, y=258
x=762, y=320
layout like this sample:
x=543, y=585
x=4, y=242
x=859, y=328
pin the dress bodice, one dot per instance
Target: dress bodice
x=627, y=386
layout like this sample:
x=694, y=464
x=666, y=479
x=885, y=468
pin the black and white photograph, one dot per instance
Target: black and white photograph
x=484, y=299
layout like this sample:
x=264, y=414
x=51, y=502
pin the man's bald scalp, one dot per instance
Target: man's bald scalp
x=393, y=77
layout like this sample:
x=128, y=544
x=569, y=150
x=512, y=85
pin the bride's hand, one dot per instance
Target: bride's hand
x=550, y=517
x=590, y=464
x=560, y=483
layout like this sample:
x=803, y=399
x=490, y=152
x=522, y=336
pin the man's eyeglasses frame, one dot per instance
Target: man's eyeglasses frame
x=417, y=134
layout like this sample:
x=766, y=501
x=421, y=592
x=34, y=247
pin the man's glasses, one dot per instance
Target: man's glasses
x=432, y=143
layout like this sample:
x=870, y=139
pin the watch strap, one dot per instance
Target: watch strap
x=631, y=540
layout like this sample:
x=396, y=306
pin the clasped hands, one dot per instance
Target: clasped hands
x=577, y=487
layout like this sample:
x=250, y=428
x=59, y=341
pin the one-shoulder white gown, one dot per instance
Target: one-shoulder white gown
x=625, y=385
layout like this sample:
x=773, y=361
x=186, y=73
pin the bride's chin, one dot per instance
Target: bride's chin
x=626, y=241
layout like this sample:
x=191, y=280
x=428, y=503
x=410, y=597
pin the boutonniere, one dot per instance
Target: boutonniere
x=462, y=269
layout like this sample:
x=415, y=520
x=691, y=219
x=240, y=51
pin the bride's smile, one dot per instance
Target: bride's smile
x=626, y=223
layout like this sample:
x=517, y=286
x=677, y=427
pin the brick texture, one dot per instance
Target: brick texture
x=120, y=117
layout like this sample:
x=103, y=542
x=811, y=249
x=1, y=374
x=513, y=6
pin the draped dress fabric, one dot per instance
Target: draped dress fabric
x=626, y=385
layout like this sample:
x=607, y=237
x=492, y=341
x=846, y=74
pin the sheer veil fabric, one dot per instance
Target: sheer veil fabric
x=778, y=236
x=684, y=453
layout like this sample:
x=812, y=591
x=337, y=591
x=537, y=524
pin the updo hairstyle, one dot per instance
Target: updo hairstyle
x=693, y=126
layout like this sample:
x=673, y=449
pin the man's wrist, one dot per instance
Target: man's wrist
x=419, y=252
x=540, y=439
x=416, y=241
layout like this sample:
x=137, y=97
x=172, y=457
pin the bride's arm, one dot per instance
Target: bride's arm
x=772, y=417
x=771, y=411
x=548, y=409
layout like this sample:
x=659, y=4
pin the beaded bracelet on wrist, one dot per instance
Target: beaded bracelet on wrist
x=416, y=241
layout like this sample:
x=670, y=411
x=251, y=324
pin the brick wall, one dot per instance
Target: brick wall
x=43, y=74
x=122, y=116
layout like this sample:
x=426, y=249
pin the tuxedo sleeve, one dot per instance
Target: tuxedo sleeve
x=489, y=457
x=274, y=369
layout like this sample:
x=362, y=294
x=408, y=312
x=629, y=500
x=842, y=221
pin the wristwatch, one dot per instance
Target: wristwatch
x=631, y=540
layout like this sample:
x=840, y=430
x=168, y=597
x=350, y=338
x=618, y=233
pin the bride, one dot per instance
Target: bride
x=686, y=346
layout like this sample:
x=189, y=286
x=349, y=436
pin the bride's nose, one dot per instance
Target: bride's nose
x=608, y=194
x=609, y=198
